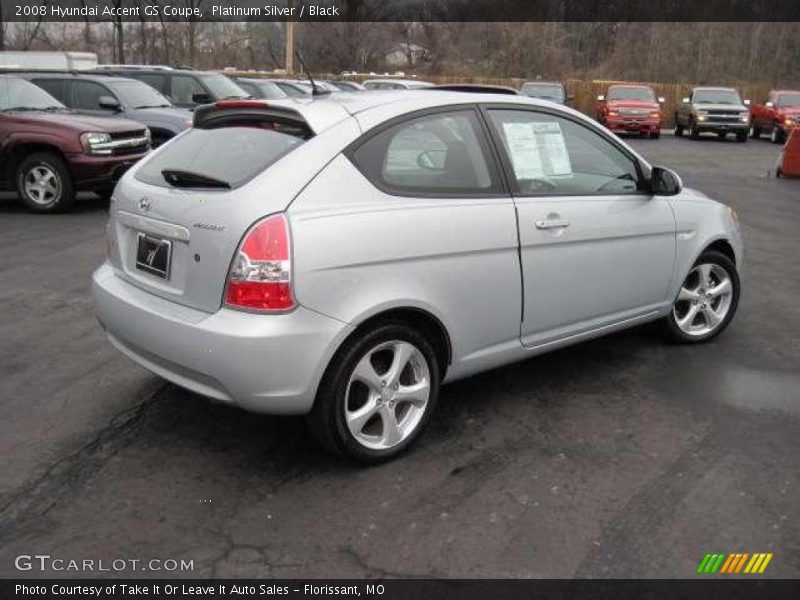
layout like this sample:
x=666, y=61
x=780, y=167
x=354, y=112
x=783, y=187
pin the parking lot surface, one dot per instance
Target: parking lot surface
x=622, y=457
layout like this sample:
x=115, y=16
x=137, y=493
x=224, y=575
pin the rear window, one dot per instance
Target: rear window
x=233, y=155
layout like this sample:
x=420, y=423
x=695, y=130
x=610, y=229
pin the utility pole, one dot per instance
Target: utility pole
x=289, y=42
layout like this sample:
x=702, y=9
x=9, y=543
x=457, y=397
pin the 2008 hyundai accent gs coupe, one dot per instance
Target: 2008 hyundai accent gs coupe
x=341, y=257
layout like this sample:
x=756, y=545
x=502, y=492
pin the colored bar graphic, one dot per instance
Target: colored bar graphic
x=741, y=562
x=716, y=565
x=703, y=563
x=765, y=563
x=728, y=563
x=720, y=562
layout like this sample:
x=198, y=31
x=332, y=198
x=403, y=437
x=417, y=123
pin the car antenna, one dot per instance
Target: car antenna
x=315, y=91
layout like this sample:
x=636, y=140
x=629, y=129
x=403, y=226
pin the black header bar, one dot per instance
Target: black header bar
x=400, y=10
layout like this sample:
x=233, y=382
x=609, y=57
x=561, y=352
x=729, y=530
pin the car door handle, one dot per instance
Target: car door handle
x=552, y=224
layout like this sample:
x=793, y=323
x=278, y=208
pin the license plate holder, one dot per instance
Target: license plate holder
x=153, y=255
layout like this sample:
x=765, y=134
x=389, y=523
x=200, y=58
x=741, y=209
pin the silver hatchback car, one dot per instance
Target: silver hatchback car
x=342, y=257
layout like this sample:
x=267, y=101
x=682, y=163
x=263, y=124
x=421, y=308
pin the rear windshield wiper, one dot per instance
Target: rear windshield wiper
x=188, y=179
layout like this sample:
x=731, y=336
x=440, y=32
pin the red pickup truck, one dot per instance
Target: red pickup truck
x=777, y=116
x=630, y=108
x=47, y=152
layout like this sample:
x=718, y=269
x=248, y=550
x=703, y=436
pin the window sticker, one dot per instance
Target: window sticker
x=537, y=150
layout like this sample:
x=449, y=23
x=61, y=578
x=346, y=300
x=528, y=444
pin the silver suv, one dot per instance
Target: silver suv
x=345, y=256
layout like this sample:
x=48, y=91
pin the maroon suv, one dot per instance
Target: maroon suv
x=48, y=153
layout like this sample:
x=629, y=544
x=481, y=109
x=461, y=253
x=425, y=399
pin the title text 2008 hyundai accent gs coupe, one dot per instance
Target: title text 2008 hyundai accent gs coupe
x=342, y=257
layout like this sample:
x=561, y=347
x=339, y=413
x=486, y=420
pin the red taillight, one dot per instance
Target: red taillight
x=241, y=104
x=260, y=278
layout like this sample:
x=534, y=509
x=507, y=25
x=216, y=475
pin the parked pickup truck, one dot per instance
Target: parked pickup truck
x=777, y=116
x=630, y=108
x=717, y=110
x=48, y=152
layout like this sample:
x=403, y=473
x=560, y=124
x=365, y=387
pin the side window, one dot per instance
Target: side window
x=436, y=154
x=551, y=155
x=86, y=94
x=184, y=88
x=154, y=81
x=55, y=87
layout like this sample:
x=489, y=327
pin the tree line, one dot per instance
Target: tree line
x=701, y=52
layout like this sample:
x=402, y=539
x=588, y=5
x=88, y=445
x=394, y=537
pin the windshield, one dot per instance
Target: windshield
x=547, y=91
x=228, y=155
x=139, y=95
x=18, y=93
x=792, y=99
x=270, y=91
x=221, y=87
x=717, y=97
x=642, y=94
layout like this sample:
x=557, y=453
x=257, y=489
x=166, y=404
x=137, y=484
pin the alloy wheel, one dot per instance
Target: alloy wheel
x=387, y=395
x=42, y=185
x=704, y=300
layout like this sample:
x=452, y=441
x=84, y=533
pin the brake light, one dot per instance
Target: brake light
x=241, y=104
x=260, y=278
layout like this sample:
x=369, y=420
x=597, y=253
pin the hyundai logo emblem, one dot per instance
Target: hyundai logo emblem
x=144, y=204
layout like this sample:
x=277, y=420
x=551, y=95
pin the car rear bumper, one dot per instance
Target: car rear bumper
x=96, y=172
x=264, y=363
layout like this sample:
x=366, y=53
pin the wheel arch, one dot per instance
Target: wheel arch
x=423, y=320
x=723, y=246
x=20, y=151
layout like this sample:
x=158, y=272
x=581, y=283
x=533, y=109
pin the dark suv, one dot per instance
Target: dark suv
x=184, y=88
x=48, y=152
x=117, y=97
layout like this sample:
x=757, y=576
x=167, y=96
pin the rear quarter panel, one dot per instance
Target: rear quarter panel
x=359, y=252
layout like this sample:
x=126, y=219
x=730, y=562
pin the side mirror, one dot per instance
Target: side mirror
x=108, y=103
x=665, y=182
x=685, y=100
x=600, y=98
x=770, y=104
x=661, y=100
x=201, y=98
x=747, y=102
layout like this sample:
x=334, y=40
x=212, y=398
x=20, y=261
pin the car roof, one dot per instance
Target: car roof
x=631, y=85
x=396, y=80
x=713, y=88
x=83, y=76
x=537, y=82
x=255, y=80
x=321, y=112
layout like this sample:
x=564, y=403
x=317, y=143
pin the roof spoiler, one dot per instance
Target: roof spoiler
x=210, y=116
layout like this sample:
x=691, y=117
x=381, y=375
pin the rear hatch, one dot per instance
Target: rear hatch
x=178, y=217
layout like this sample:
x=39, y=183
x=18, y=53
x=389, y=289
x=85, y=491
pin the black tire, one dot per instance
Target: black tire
x=327, y=421
x=777, y=135
x=721, y=135
x=694, y=133
x=654, y=135
x=678, y=127
x=106, y=192
x=741, y=137
x=48, y=162
x=755, y=132
x=674, y=331
x=778, y=172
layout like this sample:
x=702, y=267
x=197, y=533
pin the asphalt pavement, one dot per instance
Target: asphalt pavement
x=621, y=457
